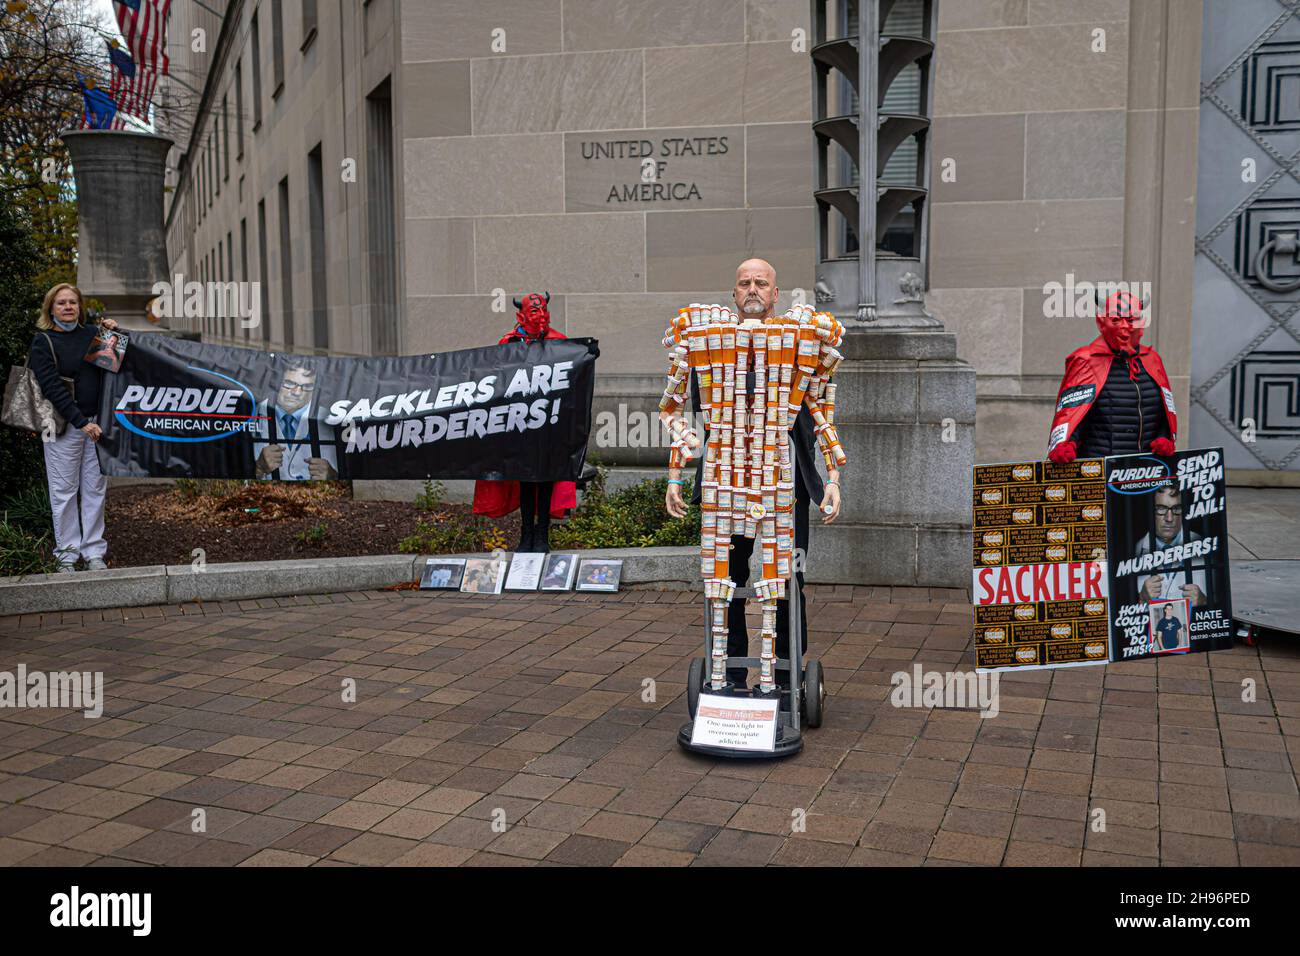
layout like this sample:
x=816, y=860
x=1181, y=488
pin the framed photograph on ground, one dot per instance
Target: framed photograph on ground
x=484, y=575
x=525, y=572
x=557, y=575
x=599, y=574
x=442, y=574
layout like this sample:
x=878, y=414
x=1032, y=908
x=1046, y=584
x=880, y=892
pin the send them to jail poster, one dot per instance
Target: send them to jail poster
x=1168, y=554
x=1039, y=584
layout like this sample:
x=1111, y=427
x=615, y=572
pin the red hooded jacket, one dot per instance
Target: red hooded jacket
x=1085, y=375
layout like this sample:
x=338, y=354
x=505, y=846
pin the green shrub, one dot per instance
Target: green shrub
x=632, y=518
x=431, y=497
x=447, y=532
x=22, y=456
x=29, y=510
x=25, y=552
x=313, y=536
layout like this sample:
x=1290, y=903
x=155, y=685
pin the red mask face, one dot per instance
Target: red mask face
x=1121, y=322
x=534, y=315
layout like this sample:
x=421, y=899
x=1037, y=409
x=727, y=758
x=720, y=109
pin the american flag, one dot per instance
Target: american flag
x=144, y=28
x=125, y=84
x=143, y=24
x=134, y=94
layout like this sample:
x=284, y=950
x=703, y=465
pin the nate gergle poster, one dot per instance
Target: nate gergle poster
x=1168, y=547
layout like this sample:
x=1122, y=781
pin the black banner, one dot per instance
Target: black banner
x=183, y=409
x=1167, y=523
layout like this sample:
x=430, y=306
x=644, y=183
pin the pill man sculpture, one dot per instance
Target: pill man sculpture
x=747, y=480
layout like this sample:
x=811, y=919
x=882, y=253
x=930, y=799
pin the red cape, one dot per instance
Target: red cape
x=1085, y=375
x=496, y=499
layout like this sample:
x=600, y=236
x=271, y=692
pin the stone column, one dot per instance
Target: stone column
x=905, y=408
x=905, y=414
x=121, y=244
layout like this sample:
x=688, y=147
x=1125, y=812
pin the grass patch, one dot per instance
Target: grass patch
x=25, y=552
x=27, y=533
x=446, y=532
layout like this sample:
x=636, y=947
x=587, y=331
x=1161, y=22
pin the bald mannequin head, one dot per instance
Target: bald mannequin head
x=755, y=292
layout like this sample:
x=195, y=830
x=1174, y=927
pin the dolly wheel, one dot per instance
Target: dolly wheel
x=814, y=693
x=694, y=684
x=1251, y=638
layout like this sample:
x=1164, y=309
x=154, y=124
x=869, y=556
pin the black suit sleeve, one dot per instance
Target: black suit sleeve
x=804, y=444
x=699, y=461
x=41, y=361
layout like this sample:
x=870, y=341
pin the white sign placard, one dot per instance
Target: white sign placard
x=738, y=723
x=525, y=572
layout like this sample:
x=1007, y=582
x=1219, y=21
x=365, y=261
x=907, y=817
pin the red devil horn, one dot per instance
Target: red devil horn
x=518, y=304
x=548, y=298
x=1142, y=305
x=1101, y=303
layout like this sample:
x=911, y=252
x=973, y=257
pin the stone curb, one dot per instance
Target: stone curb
x=249, y=580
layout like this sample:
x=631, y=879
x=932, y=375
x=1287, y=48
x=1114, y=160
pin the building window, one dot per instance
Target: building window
x=286, y=266
x=256, y=41
x=218, y=320
x=277, y=47
x=381, y=232
x=308, y=23
x=239, y=109
x=319, y=286
x=217, y=278
x=225, y=137
x=206, y=272
x=232, y=308
x=243, y=262
x=265, y=297
x=216, y=152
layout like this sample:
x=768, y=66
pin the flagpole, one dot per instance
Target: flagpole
x=127, y=117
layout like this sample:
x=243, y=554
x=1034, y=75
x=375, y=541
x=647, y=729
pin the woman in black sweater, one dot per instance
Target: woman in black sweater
x=76, y=484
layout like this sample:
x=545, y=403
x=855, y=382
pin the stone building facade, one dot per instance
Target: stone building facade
x=395, y=170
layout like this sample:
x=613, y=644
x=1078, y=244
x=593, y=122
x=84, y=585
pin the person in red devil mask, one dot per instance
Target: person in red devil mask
x=538, y=501
x=1115, y=398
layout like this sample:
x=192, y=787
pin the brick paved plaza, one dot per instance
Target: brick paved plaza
x=531, y=705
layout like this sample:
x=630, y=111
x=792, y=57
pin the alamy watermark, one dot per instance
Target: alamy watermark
x=133, y=911
x=634, y=428
x=75, y=690
x=919, y=688
x=1078, y=298
x=198, y=300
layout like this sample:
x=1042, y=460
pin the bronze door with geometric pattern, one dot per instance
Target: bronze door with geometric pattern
x=1245, y=362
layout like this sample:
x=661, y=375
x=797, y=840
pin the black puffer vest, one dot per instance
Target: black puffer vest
x=1126, y=417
